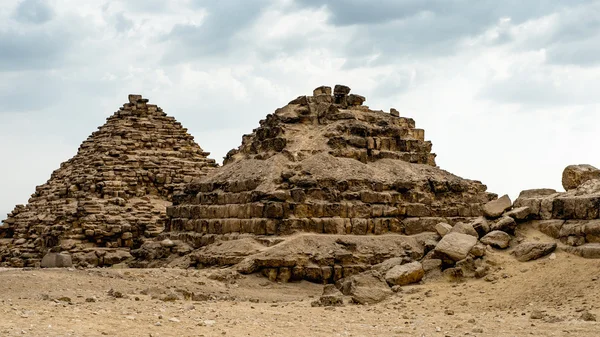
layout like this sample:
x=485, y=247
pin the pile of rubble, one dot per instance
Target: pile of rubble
x=111, y=195
x=571, y=217
x=454, y=252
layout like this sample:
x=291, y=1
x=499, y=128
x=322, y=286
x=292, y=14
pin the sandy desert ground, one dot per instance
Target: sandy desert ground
x=547, y=297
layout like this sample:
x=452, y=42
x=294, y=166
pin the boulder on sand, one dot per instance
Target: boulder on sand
x=455, y=246
x=365, y=288
x=533, y=250
x=498, y=239
x=56, y=260
x=405, y=274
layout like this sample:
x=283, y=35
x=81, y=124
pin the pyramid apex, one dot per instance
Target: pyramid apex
x=133, y=98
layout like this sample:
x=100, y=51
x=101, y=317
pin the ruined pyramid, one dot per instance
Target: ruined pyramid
x=111, y=195
x=325, y=164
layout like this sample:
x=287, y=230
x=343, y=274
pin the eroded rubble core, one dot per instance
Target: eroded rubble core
x=111, y=195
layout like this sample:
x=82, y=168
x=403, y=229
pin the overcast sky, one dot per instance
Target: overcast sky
x=507, y=91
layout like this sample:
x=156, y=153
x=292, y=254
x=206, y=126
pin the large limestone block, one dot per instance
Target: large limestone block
x=443, y=228
x=505, y=224
x=365, y=288
x=331, y=297
x=495, y=208
x=388, y=264
x=498, y=239
x=537, y=192
x=533, y=250
x=455, y=246
x=464, y=228
x=56, y=260
x=588, y=250
x=405, y=274
x=575, y=175
x=519, y=213
x=481, y=226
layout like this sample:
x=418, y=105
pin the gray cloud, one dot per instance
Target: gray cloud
x=474, y=14
x=34, y=11
x=28, y=92
x=583, y=53
x=37, y=49
x=122, y=23
x=217, y=33
x=146, y=6
x=389, y=30
x=575, y=40
x=537, y=88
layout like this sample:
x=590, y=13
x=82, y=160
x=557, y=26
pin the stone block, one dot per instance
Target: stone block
x=56, y=260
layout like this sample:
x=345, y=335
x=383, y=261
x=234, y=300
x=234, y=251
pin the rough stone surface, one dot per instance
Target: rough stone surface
x=464, y=228
x=478, y=250
x=113, y=193
x=495, y=208
x=481, y=226
x=431, y=264
x=532, y=250
x=313, y=257
x=575, y=175
x=388, y=264
x=405, y=274
x=366, y=288
x=443, y=228
x=455, y=246
x=470, y=267
x=520, y=213
x=505, y=224
x=537, y=192
x=497, y=239
x=588, y=250
x=331, y=297
x=56, y=260
x=326, y=165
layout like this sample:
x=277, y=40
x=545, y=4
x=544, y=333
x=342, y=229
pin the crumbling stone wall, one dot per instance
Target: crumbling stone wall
x=111, y=194
x=572, y=217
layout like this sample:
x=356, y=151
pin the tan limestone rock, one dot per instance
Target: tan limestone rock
x=575, y=175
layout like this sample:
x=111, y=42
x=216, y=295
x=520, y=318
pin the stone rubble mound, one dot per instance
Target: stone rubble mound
x=111, y=195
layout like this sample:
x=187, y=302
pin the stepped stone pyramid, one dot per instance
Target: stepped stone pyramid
x=111, y=195
x=325, y=164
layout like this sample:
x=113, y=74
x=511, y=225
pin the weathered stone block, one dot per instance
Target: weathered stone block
x=495, y=208
x=56, y=260
x=455, y=246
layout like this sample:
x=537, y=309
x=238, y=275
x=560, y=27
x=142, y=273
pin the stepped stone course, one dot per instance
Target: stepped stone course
x=111, y=195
